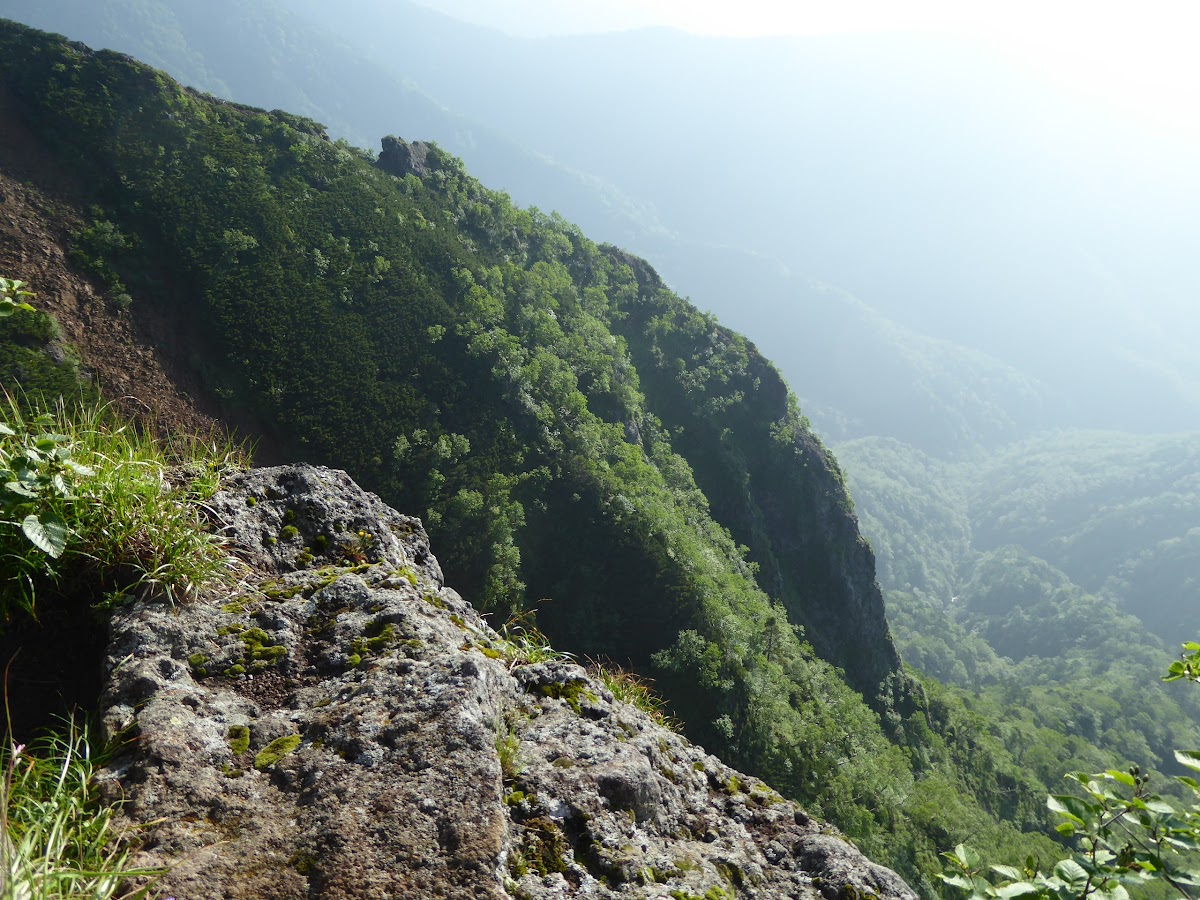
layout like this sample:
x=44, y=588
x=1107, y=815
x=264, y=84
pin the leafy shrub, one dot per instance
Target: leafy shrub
x=12, y=297
x=1125, y=833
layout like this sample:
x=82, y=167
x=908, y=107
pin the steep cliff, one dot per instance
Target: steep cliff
x=344, y=725
x=766, y=475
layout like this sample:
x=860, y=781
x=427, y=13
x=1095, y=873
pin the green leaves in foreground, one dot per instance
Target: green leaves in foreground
x=86, y=499
x=37, y=470
x=1125, y=836
x=1188, y=667
x=12, y=297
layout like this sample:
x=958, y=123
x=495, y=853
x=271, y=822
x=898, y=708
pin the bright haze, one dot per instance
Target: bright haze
x=1016, y=179
x=1137, y=56
x=950, y=223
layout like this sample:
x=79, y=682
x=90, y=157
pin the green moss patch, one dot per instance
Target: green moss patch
x=570, y=693
x=275, y=751
x=238, y=737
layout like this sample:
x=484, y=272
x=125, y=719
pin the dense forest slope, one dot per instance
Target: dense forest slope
x=579, y=440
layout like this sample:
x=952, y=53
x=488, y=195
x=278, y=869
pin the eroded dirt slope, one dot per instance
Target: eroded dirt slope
x=137, y=356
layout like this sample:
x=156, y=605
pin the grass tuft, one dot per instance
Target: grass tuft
x=57, y=839
x=87, y=498
x=633, y=689
x=519, y=643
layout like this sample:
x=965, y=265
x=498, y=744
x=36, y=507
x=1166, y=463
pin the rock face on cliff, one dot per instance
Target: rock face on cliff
x=345, y=726
x=401, y=158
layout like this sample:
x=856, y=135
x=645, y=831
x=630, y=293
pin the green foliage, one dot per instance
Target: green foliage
x=1188, y=667
x=57, y=838
x=13, y=297
x=35, y=465
x=87, y=496
x=508, y=745
x=1125, y=835
x=98, y=248
x=31, y=354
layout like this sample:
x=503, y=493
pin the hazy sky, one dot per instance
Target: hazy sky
x=1140, y=55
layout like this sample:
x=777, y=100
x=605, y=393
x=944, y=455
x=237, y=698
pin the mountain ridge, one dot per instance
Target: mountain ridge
x=580, y=439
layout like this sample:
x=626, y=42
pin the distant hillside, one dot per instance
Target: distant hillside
x=1058, y=576
x=263, y=54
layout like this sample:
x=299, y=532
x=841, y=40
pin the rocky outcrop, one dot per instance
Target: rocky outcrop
x=344, y=726
x=401, y=158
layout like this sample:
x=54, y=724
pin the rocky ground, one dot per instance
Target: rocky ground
x=342, y=725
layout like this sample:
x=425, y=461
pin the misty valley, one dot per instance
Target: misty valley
x=801, y=401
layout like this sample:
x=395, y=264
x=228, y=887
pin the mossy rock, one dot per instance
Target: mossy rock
x=571, y=692
x=544, y=847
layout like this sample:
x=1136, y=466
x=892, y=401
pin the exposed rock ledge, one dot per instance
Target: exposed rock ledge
x=348, y=727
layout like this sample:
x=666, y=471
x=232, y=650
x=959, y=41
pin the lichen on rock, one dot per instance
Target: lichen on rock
x=379, y=751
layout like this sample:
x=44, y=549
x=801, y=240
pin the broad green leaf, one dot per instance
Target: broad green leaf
x=1183, y=843
x=21, y=489
x=1161, y=807
x=25, y=470
x=968, y=857
x=1009, y=872
x=1123, y=777
x=1017, y=890
x=49, y=535
x=60, y=486
x=1072, y=807
x=5, y=430
x=79, y=468
x=958, y=881
x=1189, y=758
x=1071, y=872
